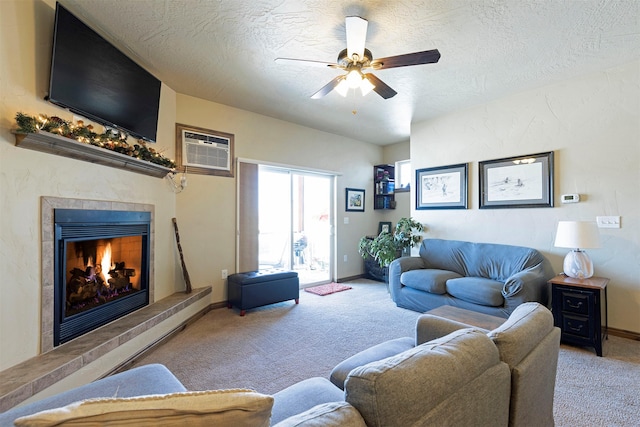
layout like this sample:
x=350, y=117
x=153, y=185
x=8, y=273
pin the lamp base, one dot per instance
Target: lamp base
x=578, y=265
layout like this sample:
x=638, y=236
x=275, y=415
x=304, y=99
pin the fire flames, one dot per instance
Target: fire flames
x=105, y=263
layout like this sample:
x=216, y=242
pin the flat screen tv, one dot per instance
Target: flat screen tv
x=92, y=78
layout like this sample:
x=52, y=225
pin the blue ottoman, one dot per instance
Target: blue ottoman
x=262, y=287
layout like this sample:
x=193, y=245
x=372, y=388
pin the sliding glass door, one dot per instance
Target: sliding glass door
x=295, y=222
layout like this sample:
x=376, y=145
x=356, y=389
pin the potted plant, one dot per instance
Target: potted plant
x=407, y=234
x=385, y=247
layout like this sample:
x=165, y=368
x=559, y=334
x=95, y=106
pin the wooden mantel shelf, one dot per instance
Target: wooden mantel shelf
x=55, y=144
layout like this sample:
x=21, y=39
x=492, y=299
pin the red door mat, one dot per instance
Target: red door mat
x=327, y=289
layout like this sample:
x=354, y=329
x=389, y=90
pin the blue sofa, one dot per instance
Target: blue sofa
x=485, y=277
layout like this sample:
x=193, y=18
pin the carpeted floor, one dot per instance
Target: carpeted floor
x=273, y=347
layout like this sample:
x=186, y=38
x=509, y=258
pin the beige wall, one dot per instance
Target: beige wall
x=207, y=208
x=592, y=124
x=26, y=175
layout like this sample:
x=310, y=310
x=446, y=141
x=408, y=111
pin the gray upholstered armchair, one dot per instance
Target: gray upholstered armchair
x=527, y=342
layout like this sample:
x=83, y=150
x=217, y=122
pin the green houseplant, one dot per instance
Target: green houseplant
x=385, y=247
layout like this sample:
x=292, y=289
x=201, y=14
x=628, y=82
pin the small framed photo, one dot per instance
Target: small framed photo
x=443, y=187
x=384, y=227
x=354, y=198
x=517, y=182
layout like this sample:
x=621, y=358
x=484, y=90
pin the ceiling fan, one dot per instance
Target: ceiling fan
x=355, y=59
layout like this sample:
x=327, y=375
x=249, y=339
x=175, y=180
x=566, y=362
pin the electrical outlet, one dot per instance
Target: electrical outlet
x=225, y=273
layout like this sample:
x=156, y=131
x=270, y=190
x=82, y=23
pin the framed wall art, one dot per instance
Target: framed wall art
x=517, y=182
x=204, y=151
x=443, y=187
x=354, y=200
x=384, y=227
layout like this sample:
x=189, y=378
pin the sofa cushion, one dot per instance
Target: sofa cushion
x=525, y=328
x=400, y=390
x=489, y=260
x=143, y=380
x=477, y=290
x=378, y=352
x=326, y=415
x=428, y=280
x=302, y=396
x=237, y=407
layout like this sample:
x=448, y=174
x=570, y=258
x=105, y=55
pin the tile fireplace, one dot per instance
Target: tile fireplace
x=67, y=245
x=101, y=262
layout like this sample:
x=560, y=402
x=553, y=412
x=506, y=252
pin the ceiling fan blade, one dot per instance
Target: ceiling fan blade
x=356, y=35
x=327, y=88
x=416, y=58
x=307, y=62
x=380, y=87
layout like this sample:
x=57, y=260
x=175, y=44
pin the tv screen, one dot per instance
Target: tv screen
x=91, y=78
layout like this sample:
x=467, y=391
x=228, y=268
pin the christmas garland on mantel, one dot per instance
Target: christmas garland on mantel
x=110, y=139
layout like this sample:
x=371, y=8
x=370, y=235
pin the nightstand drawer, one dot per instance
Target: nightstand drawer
x=577, y=311
x=575, y=302
x=576, y=325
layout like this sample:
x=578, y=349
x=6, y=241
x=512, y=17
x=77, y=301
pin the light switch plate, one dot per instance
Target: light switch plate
x=608, y=221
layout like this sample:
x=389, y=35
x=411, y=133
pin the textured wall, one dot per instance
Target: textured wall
x=26, y=175
x=592, y=125
x=207, y=208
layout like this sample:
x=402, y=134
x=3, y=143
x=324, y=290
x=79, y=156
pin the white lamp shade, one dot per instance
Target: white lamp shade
x=366, y=86
x=343, y=87
x=577, y=235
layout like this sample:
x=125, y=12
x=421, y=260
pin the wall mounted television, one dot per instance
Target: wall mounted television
x=92, y=78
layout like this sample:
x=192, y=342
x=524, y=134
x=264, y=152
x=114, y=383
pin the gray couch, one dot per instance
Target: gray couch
x=455, y=380
x=527, y=342
x=485, y=277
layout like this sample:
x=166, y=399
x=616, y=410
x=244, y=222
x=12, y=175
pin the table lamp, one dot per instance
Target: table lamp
x=577, y=235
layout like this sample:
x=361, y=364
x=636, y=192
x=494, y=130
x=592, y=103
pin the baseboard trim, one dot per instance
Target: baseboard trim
x=624, y=334
x=346, y=279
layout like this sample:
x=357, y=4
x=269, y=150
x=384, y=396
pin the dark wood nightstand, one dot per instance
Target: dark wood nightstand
x=577, y=310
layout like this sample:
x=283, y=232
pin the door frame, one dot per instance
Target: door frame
x=296, y=169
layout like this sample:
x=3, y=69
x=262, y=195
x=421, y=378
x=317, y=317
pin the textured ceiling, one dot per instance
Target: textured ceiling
x=224, y=51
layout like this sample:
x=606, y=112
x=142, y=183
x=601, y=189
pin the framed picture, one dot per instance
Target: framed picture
x=384, y=227
x=443, y=187
x=354, y=200
x=517, y=182
x=204, y=151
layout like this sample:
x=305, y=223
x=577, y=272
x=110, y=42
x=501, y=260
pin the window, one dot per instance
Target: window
x=403, y=176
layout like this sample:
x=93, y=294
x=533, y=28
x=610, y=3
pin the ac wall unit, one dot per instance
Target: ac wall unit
x=206, y=151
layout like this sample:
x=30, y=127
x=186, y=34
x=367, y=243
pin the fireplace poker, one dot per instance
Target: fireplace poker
x=184, y=266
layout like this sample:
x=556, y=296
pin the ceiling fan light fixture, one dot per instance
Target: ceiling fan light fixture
x=354, y=79
x=343, y=87
x=366, y=86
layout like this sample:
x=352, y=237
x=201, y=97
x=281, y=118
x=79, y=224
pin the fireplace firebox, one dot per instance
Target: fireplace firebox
x=101, y=268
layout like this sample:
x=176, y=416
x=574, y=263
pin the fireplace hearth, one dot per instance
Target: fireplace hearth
x=101, y=263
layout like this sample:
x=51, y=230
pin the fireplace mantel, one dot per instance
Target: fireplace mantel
x=55, y=144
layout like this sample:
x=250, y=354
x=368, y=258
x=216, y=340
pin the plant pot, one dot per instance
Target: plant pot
x=373, y=271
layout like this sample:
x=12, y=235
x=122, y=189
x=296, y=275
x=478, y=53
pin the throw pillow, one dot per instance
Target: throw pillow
x=326, y=415
x=237, y=407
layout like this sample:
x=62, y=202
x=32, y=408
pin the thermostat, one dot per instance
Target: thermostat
x=570, y=198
